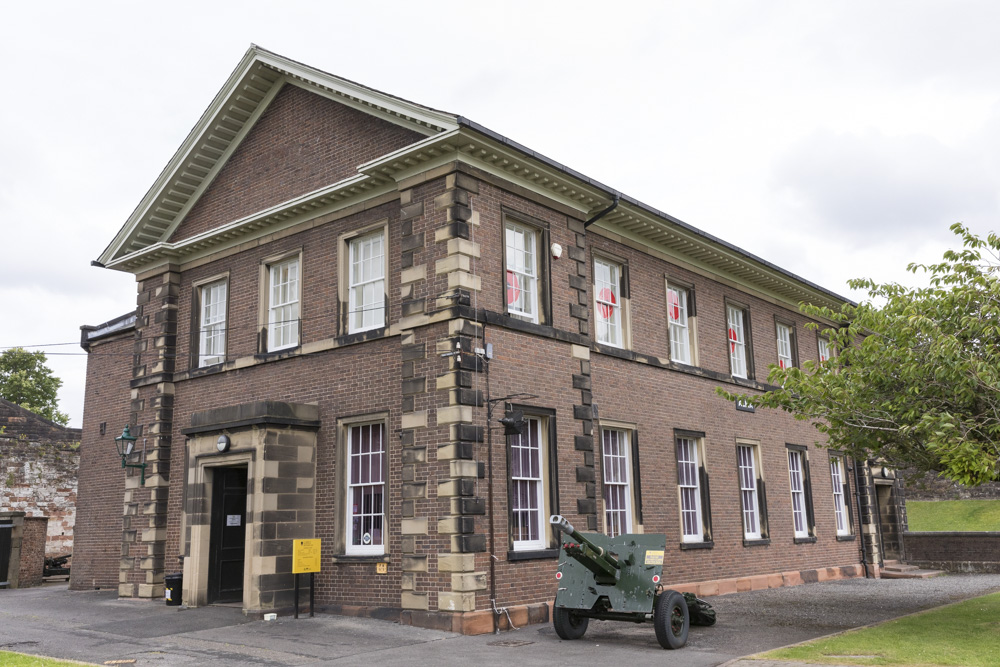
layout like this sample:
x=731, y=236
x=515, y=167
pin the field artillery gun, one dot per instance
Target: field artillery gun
x=615, y=579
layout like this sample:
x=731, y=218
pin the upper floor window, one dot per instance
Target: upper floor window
x=608, y=277
x=366, y=489
x=617, y=494
x=737, y=332
x=787, y=356
x=283, y=304
x=824, y=349
x=366, y=297
x=680, y=318
x=523, y=270
x=212, y=299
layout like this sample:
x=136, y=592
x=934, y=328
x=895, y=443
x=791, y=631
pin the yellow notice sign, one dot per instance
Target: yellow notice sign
x=654, y=558
x=305, y=556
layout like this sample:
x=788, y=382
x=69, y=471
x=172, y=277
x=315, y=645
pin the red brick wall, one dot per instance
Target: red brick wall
x=101, y=487
x=32, y=551
x=302, y=142
x=954, y=551
x=657, y=401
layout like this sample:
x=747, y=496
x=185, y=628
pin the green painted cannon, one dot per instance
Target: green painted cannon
x=615, y=579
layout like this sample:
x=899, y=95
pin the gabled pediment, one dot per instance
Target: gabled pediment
x=228, y=121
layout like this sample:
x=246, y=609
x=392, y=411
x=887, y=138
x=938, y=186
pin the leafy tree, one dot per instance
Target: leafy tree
x=27, y=381
x=916, y=377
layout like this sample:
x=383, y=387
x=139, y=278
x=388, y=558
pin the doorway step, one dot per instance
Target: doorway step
x=894, y=569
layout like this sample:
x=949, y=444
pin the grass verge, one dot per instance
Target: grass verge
x=945, y=515
x=962, y=634
x=8, y=659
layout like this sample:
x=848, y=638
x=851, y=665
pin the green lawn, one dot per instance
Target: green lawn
x=962, y=634
x=943, y=515
x=8, y=659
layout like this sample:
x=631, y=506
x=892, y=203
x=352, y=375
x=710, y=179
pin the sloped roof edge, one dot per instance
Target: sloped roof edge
x=225, y=122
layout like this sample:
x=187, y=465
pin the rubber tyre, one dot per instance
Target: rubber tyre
x=567, y=624
x=671, y=620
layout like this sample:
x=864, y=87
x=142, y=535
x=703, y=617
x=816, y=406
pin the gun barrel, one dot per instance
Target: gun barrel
x=591, y=551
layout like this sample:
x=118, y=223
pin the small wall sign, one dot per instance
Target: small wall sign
x=744, y=405
x=233, y=519
x=381, y=568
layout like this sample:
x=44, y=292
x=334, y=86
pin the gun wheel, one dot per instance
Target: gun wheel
x=567, y=624
x=671, y=620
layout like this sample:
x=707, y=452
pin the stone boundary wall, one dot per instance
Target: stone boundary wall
x=39, y=462
x=954, y=551
x=933, y=487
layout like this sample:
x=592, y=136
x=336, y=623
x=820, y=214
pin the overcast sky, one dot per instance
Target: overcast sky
x=836, y=139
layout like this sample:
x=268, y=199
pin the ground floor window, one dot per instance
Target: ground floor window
x=366, y=489
x=692, y=485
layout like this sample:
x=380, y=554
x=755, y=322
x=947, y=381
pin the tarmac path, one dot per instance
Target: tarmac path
x=97, y=627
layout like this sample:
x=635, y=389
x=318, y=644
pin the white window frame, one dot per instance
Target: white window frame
x=376, y=462
x=523, y=267
x=796, y=477
x=680, y=325
x=736, y=341
x=608, y=277
x=689, y=489
x=213, y=303
x=746, y=456
x=843, y=521
x=283, y=311
x=366, y=282
x=617, y=489
x=530, y=462
x=785, y=336
x=823, y=347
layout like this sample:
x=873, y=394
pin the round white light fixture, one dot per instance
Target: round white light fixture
x=556, y=251
x=222, y=444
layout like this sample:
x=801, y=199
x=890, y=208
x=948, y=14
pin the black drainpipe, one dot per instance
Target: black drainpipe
x=861, y=516
x=614, y=205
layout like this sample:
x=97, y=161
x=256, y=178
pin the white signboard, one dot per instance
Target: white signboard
x=233, y=519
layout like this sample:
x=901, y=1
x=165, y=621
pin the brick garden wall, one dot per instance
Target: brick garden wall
x=954, y=551
x=32, y=552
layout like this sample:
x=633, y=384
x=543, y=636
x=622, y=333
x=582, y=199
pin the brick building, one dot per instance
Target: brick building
x=39, y=460
x=321, y=268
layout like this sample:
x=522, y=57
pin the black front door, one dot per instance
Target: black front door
x=6, y=532
x=227, y=546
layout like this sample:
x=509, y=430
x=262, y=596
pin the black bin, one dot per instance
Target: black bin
x=173, y=585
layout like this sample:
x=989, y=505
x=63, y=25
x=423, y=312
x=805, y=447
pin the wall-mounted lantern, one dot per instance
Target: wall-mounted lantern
x=125, y=443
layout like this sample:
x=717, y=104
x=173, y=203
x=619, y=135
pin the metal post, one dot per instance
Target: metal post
x=312, y=593
x=489, y=466
x=296, y=595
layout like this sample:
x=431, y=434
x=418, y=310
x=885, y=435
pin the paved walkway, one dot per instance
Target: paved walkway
x=95, y=626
